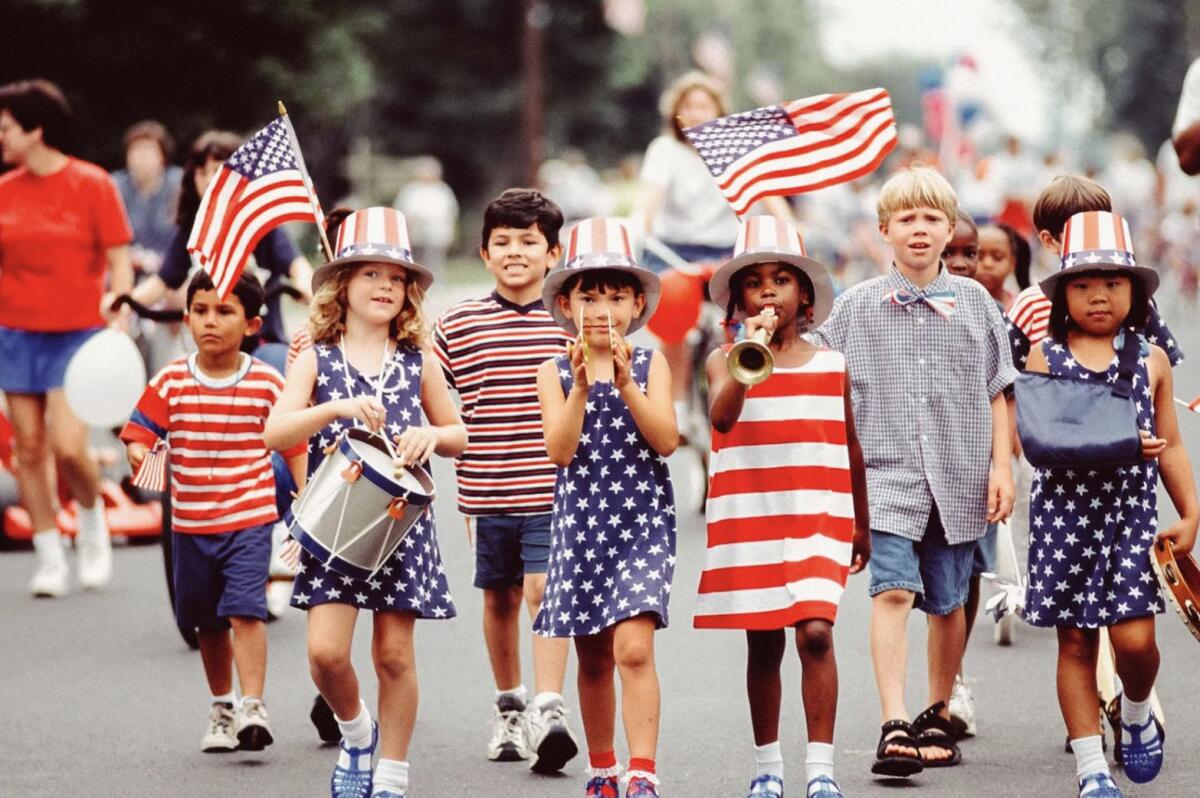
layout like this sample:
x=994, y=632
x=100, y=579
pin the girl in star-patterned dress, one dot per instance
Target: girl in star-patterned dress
x=1092, y=529
x=609, y=421
x=370, y=367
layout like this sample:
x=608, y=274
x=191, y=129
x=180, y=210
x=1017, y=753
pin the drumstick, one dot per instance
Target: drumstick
x=612, y=342
x=1194, y=406
x=583, y=346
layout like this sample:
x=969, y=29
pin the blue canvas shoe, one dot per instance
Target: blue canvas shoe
x=1142, y=759
x=355, y=781
x=641, y=787
x=1099, y=785
x=766, y=786
x=824, y=787
x=387, y=794
x=603, y=787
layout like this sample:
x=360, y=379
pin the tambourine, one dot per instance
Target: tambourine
x=1180, y=578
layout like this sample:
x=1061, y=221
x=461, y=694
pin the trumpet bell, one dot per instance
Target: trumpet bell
x=750, y=362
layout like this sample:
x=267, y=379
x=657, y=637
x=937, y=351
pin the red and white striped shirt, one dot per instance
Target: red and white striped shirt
x=490, y=350
x=780, y=504
x=1030, y=313
x=221, y=475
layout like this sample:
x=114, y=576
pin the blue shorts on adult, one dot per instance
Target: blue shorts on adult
x=36, y=362
x=507, y=547
x=218, y=577
x=939, y=573
x=985, y=552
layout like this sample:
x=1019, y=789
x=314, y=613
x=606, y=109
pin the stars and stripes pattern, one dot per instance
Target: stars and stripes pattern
x=794, y=147
x=1097, y=237
x=768, y=234
x=598, y=240
x=942, y=302
x=374, y=231
x=263, y=184
x=152, y=473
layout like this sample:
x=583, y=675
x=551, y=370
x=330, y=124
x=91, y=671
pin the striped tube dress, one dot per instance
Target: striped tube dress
x=780, y=505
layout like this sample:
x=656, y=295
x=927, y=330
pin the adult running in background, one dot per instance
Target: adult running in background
x=63, y=231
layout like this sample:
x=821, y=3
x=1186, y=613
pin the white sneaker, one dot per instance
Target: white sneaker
x=962, y=708
x=508, y=735
x=219, y=737
x=548, y=737
x=1005, y=632
x=253, y=725
x=52, y=577
x=279, y=598
x=95, y=559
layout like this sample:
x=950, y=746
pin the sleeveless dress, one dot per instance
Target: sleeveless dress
x=1090, y=530
x=780, y=506
x=612, y=538
x=413, y=580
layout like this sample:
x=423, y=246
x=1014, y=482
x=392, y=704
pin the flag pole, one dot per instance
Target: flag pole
x=309, y=189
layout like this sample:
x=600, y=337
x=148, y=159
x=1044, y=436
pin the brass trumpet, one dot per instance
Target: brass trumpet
x=750, y=361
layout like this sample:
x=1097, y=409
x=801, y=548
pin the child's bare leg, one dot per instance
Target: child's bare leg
x=549, y=653
x=947, y=639
x=889, y=654
x=330, y=632
x=633, y=650
x=818, y=679
x=970, y=610
x=250, y=654
x=1134, y=644
x=597, y=693
x=764, y=687
x=501, y=633
x=1077, y=695
x=216, y=654
x=395, y=666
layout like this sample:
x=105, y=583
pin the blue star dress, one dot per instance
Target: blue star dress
x=1090, y=531
x=612, y=540
x=413, y=580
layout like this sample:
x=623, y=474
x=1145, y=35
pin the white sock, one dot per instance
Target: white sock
x=519, y=692
x=357, y=731
x=229, y=698
x=1089, y=756
x=391, y=775
x=819, y=761
x=49, y=546
x=92, y=525
x=543, y=700
x=1136, y=713
x=1118, y=685
x=769, y=759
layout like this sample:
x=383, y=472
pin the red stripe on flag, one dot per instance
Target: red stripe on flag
x=758, y=577
x=766, y=480
x=799, y=527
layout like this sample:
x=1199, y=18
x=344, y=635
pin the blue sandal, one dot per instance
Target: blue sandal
x=1099, y=785
x=824, y=787
x=764, y=787
x=355, y=781
x=1142, y=761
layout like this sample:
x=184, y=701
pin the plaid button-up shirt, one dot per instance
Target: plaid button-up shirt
x=921, y=386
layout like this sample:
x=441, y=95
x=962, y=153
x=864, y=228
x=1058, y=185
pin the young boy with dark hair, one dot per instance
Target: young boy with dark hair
x=490, y=350
x=209, y=409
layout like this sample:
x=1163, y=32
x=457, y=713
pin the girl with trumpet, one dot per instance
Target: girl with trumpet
x=787, y=503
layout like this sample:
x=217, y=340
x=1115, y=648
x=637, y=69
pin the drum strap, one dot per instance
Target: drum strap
x=385, y=371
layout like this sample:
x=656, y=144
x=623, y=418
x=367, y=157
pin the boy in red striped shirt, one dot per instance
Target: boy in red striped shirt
x=209, y=409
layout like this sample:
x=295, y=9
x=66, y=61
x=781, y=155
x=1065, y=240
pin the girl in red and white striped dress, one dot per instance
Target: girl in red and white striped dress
x=787, y=508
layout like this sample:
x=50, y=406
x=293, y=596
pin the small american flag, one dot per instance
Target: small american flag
x=152, y=473
x=263, y=185
x=797, y=146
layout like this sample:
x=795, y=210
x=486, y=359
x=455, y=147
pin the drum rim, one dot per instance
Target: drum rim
x=1184, y=591
x=379, y=480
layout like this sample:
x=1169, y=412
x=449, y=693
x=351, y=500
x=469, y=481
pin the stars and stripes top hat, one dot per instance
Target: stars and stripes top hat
x=599, y=243
x=763, y=239
x=373, y=235
x=1098, y=241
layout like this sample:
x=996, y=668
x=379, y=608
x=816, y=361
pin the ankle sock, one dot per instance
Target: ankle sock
x=92, y=525
x=642, y=767
x=1089, y=756
x=543, y=701
x=391, y=774
x=818, y=761
x=49, y=546
x=769, y=759
x=1134, y=713
x=229, y=698
x=356, y=732
x=518, y=693
x=603, y=764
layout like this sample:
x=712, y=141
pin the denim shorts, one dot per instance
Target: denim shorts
x=218, y=577
x=939, y=573
x=35, y=362
x=507, y=547
x=985, y=552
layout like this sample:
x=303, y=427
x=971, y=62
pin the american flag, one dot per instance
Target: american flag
x=263, y=185
x=152, y=473
x=797, y=146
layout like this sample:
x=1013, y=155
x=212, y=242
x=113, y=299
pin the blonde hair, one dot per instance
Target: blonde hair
x=917, y=187
x=668, y=104
x=327, y=312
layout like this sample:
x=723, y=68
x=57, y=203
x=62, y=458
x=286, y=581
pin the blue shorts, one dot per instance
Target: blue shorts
x=692, y=253
x=985, y=552
x=218, y=577
x=35, y=362
x=507, y=547
x=939, y=573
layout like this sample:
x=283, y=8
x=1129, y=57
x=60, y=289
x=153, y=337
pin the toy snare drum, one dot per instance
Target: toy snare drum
x=357, y=509
x=1180, y=578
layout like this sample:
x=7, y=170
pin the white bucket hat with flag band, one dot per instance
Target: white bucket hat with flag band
x=373, y=235
x=764, y=239
x=1098, y=241
x=599, y=243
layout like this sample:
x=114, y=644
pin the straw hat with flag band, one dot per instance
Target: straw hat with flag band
x=373, y=235
x=599, y=243
x=763, y=239
x=1098, y=241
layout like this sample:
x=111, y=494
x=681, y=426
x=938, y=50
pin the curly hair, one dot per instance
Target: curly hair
x=327, y=313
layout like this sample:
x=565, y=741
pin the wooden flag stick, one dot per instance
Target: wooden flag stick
x=1182, y=403
x=309, y=188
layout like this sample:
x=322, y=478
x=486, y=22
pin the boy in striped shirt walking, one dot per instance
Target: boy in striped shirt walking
x=209, y=409
x=490, y=350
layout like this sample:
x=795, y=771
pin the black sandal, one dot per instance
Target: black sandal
x=934, y=731
x=897, y=765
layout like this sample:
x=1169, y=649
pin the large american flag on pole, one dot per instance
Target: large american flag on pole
x=797, y=146
x=263, y=185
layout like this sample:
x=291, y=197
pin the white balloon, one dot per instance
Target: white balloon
x=105, y=379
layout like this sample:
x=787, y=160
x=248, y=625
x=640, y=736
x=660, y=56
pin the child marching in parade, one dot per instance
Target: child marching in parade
x=1091, y=526
x=787, y=504
x=370, y=367
x=609, y=422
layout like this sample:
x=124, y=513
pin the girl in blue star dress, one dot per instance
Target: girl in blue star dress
x=1091, y=529
x=370, y=367
x=609, y=422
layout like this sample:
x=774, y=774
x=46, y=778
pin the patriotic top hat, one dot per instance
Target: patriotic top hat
x=373, y=235
x=763, y=239
x=599, y=243
x=1098, y=241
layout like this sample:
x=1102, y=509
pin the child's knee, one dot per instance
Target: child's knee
x=634, y=654
x=814, y=640
x=765, y=649
x=533, y=590
x=595, y=666
x=393, y=662
x=1079, y=645
x=327, y=660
